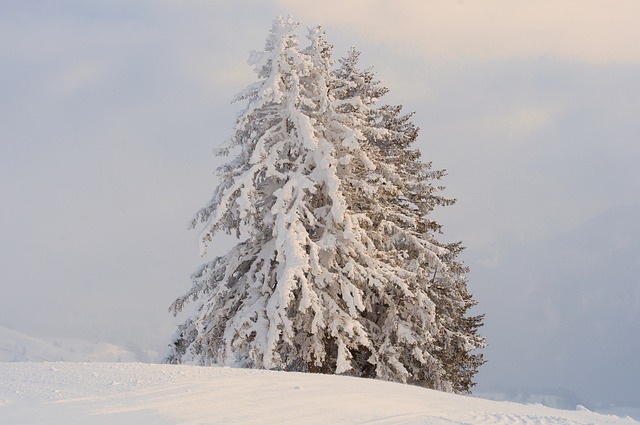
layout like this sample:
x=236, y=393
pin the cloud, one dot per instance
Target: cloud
x=209, y=72
x=520, y=122
x=77, y=77
x=493, y=29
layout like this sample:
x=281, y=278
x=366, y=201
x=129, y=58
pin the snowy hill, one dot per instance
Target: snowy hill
x=18, y=347
x=130, y=393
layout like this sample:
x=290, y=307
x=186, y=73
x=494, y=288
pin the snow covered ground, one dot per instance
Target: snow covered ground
x=93, y=386
x=134, y=393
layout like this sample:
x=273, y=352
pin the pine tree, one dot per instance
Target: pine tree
x=337, y=269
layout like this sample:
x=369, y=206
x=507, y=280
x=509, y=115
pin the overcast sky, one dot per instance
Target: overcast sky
x=110, y=111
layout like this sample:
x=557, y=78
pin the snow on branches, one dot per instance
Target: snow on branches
x=337, y=268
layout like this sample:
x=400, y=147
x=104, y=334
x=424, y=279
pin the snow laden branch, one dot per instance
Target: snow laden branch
x=338, y=268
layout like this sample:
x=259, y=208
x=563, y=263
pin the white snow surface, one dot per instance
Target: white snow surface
x=135, y=393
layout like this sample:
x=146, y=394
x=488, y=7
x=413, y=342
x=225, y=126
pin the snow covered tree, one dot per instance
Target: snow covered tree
x=337, y=269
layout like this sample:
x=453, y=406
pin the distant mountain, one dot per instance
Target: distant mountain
x=18, y=347
x=565, y=312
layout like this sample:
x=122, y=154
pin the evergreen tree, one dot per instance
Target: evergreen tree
x=337, y=269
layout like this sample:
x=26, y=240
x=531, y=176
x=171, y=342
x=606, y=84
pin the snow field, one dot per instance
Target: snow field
x=141, y=394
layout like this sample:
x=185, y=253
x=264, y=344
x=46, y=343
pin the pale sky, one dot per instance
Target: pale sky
x=110, y=111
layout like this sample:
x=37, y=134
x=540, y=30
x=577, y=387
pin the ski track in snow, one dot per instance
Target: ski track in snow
x=503, y=419
x=141, y=394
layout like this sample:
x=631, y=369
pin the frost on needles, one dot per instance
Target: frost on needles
x=338, y=268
